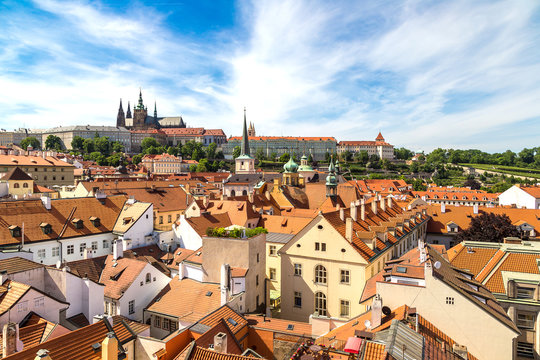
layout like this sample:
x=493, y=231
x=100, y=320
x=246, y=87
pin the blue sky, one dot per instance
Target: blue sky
x=460, y=74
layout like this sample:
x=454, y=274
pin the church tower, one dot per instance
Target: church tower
x=120, y=118
x=251, y=130
x=128, y=113
x=245, y=164
x=140, y=112
x=331, y=180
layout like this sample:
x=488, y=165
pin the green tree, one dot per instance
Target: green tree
x=284, y=158
x=488, y=227
x=114, y=159
x=414, y=167
x=149, y=142
x=222, y=165
x=193, y=168
x=310, y=159
x=30, y=141
x=98, y=157
x=403, y=154
x=346, y=156
x=219, y=155
x=117, y=147
x=327, y=157
x=418, y=185
x=53, y=142
x=172, y=150
x=202, y=166
x=236, y=152
x=137, y=159
x=88, y=146
x=259, y=155
x=196, y=155
x=362, y=157
x=526, y=155
x=102, y=145
x=211, y=151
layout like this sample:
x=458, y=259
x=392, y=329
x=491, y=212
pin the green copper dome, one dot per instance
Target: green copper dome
x=331, y=179
x=290, y=166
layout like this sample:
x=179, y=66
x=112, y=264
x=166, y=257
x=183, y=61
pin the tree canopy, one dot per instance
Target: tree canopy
x=53, y=142
x=30, y=141
x=488, y=227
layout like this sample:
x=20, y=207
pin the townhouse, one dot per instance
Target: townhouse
x=521, y=196
x=162, y=164
x=45, y=168
x=324, y=264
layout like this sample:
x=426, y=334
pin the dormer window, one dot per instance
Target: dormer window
x=95, y=221
x=127, y=220
x=78, y=223
x=46, y=228
x=15, y=230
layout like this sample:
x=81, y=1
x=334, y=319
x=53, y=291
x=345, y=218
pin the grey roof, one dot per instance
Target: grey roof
x=84, y=128
x=402, y=342
x=251, y=178
x=171, y=121
x=278, y=238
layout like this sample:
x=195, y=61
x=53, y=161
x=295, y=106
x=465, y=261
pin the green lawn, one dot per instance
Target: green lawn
x=510, y=170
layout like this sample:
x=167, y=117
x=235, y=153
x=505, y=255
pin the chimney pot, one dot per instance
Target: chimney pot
x=109, y=347
x=349, y=229
x=376, y=311
x=342, y=214
x=354, y=211
x=220, y=342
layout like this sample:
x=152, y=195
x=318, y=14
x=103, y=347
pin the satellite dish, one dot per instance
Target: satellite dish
x=367, y=324
x=437, y=264
x=386, y=310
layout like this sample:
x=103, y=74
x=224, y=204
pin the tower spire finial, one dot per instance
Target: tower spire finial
x=245, y=139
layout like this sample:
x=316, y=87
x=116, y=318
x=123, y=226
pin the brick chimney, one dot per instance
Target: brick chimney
x=354, y=211
x=109, y=347
x=383, y=205
x=390, y=202
x=363, y=210
x=374, y=206
x=220, y=343
x=349, y=229
x=42, y=354
x=10, y=339
x=376, y=311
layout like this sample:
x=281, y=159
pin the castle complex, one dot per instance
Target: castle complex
x=140, y=120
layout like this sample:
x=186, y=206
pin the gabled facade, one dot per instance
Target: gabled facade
x=521, y=197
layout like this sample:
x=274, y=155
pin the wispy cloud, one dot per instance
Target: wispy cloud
x=425, y=74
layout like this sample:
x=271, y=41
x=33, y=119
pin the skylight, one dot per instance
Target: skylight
x=232, y=321
x=290, y=327
x=401, y=269
x=209, y=293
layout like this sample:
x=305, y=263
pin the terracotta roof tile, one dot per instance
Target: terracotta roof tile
x=18, y=264
x=201, y=223
x=281, y=325
x=516, y=262
x=118, y=278
x=225, y=313
x=199, y=353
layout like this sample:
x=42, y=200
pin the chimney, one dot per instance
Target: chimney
x=443, y=208
x=460, y=350
x=87, y=253
x=349, y=229
x=10, y=339
x=267, y=194
x=376, y=311
x=374, y=243
x=180, y=271
x=118, y=249
x=475, y=209
x=374, y=205
x=3, y=276
x=42, y=354
x=250, y=197
x=383, y=205
x=220, y=343
x=354, y=211
x=342, y=214
x=338, y=206
x=109, y=347
x=46, y=200
x=390, y=202
x=224, y=285
x=363, y=210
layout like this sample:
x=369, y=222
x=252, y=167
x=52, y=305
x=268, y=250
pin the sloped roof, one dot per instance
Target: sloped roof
x=118, y=278
x=283, y=224
x=201, y=223
x=16, y=174
x=90, y=268
x=17, y=264
x=129, y=215
x=163, y=198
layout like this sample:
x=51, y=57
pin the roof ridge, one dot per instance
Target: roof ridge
x=487, y=269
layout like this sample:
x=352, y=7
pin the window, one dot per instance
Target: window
x=449, y=300
x=297, y=299
x=320, y=246
x=22, y=306
x=70, y=249
x=174, y=325
x=16, y=185
x=525, y=350
x=105, y=244
x=41, y=254
x=148, y=278
x=39, y=301
x=25, y=185
x=272, y=272
x=56, y=251
x=320, y=303
x=272, y=250
x=82, y=247
x=161, y=219
x=169, y=219
x=323, y=246
x=297, y=269
x=345, y=276
x=524, y=293
x=256, y=280
x=344, y=308
x=94, y=245
x=131, y=307
x=320, y=274
x=257, y=257
x=525, y=321
x=166, y=323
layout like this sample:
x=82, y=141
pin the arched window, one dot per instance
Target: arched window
x=320, y=303
x=148, y=278
x=233, y=193
x=244, y=192
x=320, y=274
x=16, y=185
x=25, y=185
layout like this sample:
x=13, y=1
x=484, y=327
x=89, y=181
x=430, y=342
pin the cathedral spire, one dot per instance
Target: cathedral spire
x=245, y=138
x=140, y=105
x=128, y=114
x=120, y=118
x=155, y=111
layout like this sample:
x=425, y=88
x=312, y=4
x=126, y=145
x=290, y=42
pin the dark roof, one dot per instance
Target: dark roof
x=90, y=268
x=16, y=174
x=251, y=178
x=18, y=264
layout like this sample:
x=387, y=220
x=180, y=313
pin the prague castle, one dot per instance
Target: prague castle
x=140, y=120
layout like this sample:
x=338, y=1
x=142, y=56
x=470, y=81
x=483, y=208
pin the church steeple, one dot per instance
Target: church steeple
x=245, y=138
x=140, y=105
x=155, y=111
x=331, y=180
x=120, y=118
x=128, y=114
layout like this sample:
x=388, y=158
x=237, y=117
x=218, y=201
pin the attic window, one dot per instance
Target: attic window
x=126, y=220
x=95, y=221
x=284, y=222
x=78, y=223
x=46, y=228
x=290, y=327
x=15, y=230
x=401, y=269
x=232, y=321
x=209, y=293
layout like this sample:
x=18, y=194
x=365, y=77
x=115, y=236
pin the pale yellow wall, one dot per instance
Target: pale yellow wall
x=166, y=225
x=47, y=175
x=464, y=322
x=273, y=262
x=21, y=190
x=333, y=259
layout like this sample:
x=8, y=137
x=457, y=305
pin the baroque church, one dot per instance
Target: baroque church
x=140, y=120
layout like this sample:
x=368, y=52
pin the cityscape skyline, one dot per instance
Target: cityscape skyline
x=345, y=70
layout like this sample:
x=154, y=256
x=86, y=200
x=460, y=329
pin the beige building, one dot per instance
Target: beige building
x=137, y=136
x=45, y=169
x=8, y=138
x=378, y=147
x=510, y=271
x=326, y=263
x=67, y=133
x=162, y=164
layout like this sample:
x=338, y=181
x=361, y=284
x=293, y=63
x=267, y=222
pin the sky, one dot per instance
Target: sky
x=427, y=74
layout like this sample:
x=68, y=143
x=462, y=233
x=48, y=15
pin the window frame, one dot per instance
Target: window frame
x=347, y=275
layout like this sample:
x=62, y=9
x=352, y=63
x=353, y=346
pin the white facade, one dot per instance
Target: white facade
x=140, y=233
x=519, y=198
x=186, y=236
x=35, y=301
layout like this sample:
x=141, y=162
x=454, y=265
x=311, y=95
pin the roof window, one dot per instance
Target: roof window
x=95, y=221
x=290, y=327
x=209, y=293
x=46, y=228
x=15, y=230
x=401, y=269
x=78, y=223
x=232, y=321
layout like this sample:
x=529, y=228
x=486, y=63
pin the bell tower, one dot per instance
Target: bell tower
x=120, y=118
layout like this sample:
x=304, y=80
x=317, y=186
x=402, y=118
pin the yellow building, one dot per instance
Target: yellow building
x=325, y=266
x=46, y=170
x=19, y=183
